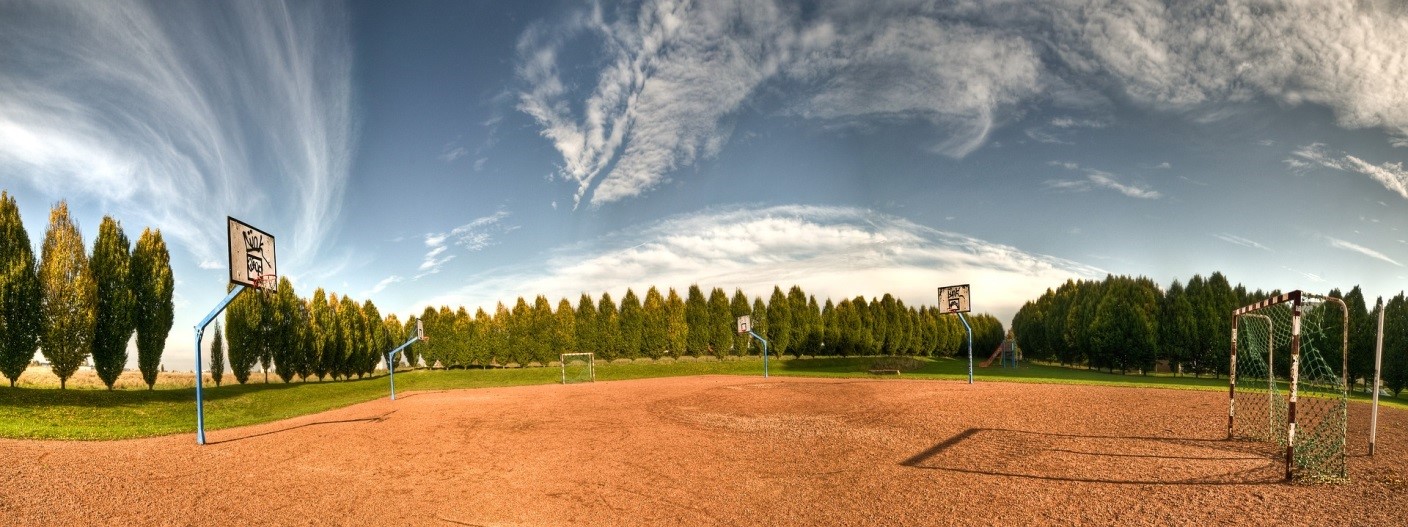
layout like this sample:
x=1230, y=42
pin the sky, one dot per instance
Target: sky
x=470, y=152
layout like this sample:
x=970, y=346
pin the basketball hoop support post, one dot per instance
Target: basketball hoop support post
x=391, y=364
x=200, y=331
x=970, y=345
x=765, y=352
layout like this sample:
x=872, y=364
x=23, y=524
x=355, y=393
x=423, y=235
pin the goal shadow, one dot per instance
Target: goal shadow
x=1101, y=458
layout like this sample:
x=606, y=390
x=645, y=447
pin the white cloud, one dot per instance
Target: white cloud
x=673, y=75
x=382, y=285
x=453, y=152
x=1098, y=179
x=473, y=236
x=1391, y=175
x=1163, y=166
x=1238, y=240
x=829, y=251
x=1354, y=247
x=177, y=116
x=1308, y=276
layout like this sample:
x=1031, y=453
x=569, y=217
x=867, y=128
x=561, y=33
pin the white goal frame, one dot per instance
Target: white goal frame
x=590, y=359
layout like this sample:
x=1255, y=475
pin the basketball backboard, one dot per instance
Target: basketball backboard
x=745, y=324
x=252, y=258
x=420, y=330
x=955, y=299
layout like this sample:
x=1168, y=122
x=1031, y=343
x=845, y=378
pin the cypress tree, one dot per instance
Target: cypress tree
x=319, y=324
x=587, y=326
x=21, y=293
x=797, y=330
x=565, y=328
x=696, y=315
x=721, y=328
x=242, y=327
x=632, y=325
x=217, y=355
x=760, y=322
x=70, y=296
x=608, y=328
x=542, y=331
x=113, y=325
x=286, y=341
x=153, y=286
x=779, y=315
x=481, y=345
x=499, y=335
x=519, y=327
x=676, y=325
x=654, y=338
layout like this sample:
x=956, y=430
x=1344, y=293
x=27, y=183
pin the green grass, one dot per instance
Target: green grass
x=39, y=413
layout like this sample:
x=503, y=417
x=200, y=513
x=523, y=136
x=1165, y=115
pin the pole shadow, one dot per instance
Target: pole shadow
x=372, y=419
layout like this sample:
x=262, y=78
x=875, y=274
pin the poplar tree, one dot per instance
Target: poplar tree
x=113, y=325
x=696, y=315
x=587, y=326
x=676, y=324
x=153, y=286
x=632, y=325
x=565, y=327
x=217, y=354
x=760, y=322
x=70, y=296
x=654, y=331
x=721, y=328
x=242, y=319
x=779, y=322
x=410, y=354
x=608, y=328
x=286, y=341
x=21, y=293
x=319, y=324
x=542, y=331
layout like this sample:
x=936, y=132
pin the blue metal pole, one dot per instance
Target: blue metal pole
x=200, y=331
x=765, y=352
x=970, y=346
x=391, y=366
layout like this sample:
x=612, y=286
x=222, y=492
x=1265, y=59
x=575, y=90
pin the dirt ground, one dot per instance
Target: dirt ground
x=717, y=450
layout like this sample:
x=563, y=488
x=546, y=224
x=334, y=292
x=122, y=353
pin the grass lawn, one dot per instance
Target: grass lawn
x=48, y=413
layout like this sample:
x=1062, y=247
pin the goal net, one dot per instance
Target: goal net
x=1287, y=380
x=578, y=367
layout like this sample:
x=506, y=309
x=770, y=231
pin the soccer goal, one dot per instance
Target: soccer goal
x=1287, y=380
x=578, y=367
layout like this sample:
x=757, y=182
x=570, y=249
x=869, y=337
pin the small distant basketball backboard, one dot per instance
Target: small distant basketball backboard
x=955, y=299
x=745, y=324
x=420, y=330
x=252, y=258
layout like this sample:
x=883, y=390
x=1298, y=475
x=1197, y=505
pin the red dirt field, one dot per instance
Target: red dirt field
x=717, y=450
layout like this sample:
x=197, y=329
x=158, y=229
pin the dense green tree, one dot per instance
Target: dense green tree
x=242, y=320
x=378, y=338
x=153, y=285
x=564, y=328
x=21, y=293
x=1362, y=332
x=632, y=325
x=655, y=338
x=831, y=329
x=760, y=322
x=411, y=354
x=608, y=328
x=696, y=315
x=287, y=335
x=481, y=347
x=800, y=321
x=499, y=339
x=113, y=326
x=70, y=296
x=587, y=326
x=542, y=332
x=1178, y=327
x=320, y=326
x=430, y=350
x=217, y=355
x=720, y=328
x=676, y=324
x=779, y=315
x=1395, y=365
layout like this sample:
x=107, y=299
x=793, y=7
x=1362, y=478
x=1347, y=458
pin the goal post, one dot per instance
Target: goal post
x=1287, y=380
x=578, y=367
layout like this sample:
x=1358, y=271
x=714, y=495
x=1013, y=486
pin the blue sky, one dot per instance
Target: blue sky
x=462, y=153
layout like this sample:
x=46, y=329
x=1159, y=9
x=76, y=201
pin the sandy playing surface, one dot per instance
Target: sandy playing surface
x=717, y=450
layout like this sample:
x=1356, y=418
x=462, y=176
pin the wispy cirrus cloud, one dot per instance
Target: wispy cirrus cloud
x=1238, y=240
x=673, y=76
x=836, y=252
x=1354, y=247
x=1391, y=175
x=175, y=115
x=1098, y=179
x=473, y=236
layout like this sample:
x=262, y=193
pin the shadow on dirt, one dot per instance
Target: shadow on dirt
x=372, y=419
x=1102, y=459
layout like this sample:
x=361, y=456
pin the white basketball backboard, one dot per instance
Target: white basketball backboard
x=955, y=299
x=745, y=324
x=252, y=258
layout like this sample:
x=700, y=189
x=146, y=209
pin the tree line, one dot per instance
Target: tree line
x=695, y=325
x=1128, y=324
x=72, y=305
